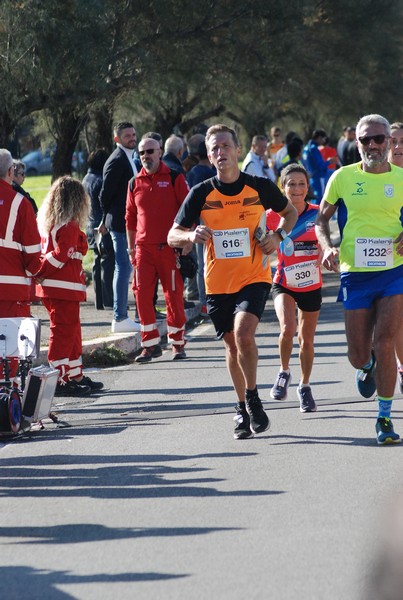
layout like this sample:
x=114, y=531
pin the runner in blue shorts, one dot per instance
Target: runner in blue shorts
x=361, y=290
x=368, y=197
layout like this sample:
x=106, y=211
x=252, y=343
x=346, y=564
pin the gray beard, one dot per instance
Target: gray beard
x=374, y=162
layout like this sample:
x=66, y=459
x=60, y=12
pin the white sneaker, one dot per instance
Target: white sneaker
x=125, y=326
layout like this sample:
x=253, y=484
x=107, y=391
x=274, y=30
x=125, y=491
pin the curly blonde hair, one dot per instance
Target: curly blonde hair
x=66, y=201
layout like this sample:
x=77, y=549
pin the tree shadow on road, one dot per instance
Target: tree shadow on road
x=93, y=532
x=26, y=583
x=95, y=476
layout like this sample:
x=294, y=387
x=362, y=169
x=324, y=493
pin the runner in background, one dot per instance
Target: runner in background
x=297, y=284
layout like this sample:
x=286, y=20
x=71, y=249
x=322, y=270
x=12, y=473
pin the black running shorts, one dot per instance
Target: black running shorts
x=223, y=307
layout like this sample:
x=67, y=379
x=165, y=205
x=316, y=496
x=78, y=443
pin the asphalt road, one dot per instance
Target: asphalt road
x=142, y=492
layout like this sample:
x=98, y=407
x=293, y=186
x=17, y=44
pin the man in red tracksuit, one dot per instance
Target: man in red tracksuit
x=153, y=199
x=20, y=248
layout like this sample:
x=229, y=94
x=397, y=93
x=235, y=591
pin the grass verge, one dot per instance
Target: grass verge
x=105, y=356
x=38, y=187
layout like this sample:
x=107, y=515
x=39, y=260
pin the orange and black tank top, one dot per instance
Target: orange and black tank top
x=232, y=258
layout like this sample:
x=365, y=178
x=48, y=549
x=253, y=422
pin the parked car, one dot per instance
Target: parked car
x=40, y=163
x=37, y=162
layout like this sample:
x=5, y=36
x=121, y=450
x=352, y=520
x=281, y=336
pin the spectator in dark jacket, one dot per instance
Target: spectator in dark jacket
x=18, y=180
x=173, y=151
x=104, y=257
x=202, y=171
x=118, y=170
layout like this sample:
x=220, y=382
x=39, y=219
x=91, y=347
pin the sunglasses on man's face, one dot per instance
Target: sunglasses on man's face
x=378, y=139
x=148, y=151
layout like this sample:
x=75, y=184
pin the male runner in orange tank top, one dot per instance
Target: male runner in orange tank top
x=231, y=207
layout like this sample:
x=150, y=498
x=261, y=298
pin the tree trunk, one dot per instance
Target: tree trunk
x=103, y=119
x=165, y=126
x=68, y=124
x=6, y=128
x=173, y=122
x=187, y=124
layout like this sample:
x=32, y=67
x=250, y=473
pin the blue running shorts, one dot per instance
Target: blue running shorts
x=360, y=290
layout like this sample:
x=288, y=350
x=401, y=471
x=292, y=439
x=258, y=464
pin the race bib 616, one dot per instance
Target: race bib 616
x=231, y=243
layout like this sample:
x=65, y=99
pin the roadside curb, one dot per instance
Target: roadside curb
x=128, y=343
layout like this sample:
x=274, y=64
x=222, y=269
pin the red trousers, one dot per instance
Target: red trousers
x=153, y=262
x=65, y=343
x=12, y=308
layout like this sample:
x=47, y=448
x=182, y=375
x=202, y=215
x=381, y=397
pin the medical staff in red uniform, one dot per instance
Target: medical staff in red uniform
x=19, y=249
x=153, y=199
x=61, y=281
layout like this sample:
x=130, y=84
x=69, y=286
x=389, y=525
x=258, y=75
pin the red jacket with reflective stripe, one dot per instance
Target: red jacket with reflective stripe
x=152, y=203
x=20, y=247
x=62, y=269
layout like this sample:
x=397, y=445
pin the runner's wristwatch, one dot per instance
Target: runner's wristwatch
x=282, y=233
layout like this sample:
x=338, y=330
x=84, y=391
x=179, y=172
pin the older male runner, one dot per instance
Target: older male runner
x=369, y=199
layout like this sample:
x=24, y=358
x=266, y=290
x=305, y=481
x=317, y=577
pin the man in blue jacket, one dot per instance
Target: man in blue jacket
x=316, y=166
